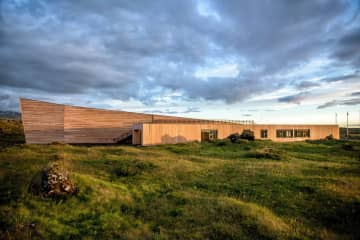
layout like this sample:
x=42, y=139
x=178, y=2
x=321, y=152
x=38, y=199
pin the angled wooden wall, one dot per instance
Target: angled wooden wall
x=47, y=122
x=43, y=122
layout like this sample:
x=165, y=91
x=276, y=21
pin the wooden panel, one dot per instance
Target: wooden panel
x=43, y=122
x=85, y=125
x=169, y=133
x=47, y=122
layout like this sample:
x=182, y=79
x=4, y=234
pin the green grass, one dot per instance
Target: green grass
x=249, y=190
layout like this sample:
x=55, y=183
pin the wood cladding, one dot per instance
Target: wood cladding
x=47, y=122
x=43, y=122
x=170, y=133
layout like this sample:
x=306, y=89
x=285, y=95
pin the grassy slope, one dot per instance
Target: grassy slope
x=190, y=191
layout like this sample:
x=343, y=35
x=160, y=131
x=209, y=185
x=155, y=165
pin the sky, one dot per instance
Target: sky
x=267, y=61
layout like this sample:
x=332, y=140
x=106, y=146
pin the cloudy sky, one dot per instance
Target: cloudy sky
x=269, y=61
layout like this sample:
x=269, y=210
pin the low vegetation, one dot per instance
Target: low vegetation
x=220, y=190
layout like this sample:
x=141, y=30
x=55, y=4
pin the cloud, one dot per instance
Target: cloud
x=307, y=84
x=355, y=94
x=297, y=98
x=7, y=102
x=192, y=110
x=341, y=77
x=168, y=111
x=348, y=102
x=348, y=48
x=132, y=50
x=328, y=104
x=4, y=97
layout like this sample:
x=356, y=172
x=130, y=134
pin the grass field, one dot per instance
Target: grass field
x=251, y=190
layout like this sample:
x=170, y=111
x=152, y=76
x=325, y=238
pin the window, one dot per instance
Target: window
x=284, y=133
x=263, y=133
x=208, y=135
x=302, y=133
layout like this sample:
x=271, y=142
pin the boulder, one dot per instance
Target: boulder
x=54, y=182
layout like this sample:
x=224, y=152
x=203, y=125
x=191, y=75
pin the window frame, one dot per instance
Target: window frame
x=264, y=133
x=212, y=135
x=284, y=133
x=302, y=133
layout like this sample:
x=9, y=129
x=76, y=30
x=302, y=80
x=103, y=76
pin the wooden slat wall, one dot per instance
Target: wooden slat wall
x=84, y=125
x=47, y=122
x=43, y=122
x=169, y=133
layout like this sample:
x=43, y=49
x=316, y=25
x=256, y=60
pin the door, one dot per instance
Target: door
x=137, y=137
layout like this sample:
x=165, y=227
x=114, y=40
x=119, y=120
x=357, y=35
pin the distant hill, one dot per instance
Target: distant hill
x=10, y=115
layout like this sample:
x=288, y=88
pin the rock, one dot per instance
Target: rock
x=53, y=182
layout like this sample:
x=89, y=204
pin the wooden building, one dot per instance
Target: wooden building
x=179, y=132
x=48, y=122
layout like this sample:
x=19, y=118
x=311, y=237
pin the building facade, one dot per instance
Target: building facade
x=48, y=122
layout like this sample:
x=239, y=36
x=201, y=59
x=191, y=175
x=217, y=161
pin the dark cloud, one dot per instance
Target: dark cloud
x=355, y=94
x=348, y=102
x=306, y=84
x=8, y=102
x=4, y=97
x=137, y=50
x=297, y=98
x=341, y=77
x=348, y=48
x=328, y=104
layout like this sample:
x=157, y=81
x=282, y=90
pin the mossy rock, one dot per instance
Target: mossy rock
x=54, y=182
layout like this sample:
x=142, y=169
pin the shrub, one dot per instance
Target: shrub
x=233, y=137
x=330, y=137
x=247, y=134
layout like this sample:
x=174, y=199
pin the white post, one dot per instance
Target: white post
x=347, y=125
x=336, y=118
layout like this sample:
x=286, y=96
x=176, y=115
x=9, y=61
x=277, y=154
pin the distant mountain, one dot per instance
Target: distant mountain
x=10, y=115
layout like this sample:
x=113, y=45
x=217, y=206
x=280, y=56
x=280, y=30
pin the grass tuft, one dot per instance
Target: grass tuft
x=267, y=153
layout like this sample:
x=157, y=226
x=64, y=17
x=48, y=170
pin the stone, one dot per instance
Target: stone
x=54, y=182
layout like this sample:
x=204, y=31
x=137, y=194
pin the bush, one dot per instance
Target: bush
x=247, y=134
x=233, y=137
x=330, y=137
x=244, y=137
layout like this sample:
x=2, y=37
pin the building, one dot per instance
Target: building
x=48, y=122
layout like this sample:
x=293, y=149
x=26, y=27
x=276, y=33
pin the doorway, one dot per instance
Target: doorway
x=137, y=137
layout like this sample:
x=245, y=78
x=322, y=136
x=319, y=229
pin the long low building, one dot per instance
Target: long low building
x=48, y=122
